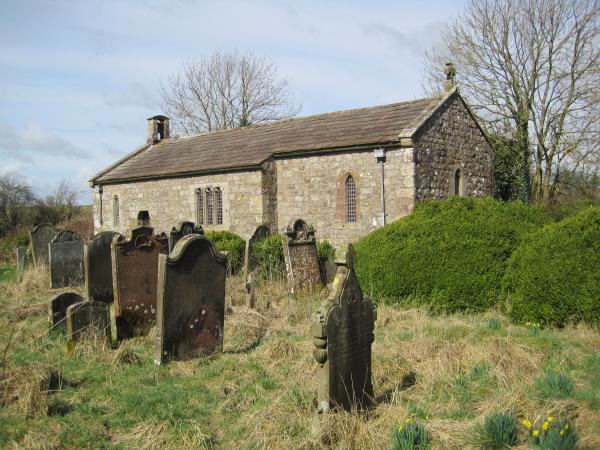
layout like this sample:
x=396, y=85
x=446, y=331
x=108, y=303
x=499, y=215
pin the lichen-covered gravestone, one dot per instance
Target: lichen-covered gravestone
x=57, y=311
x=301, y=258
x=98, y=267
x=191, y=300
x=87, y=319
x=23, y=258
x=183, y=229
x=66, y=260
x=135, y=280
x=39, y=238
x=343, y=335
x=250, y=264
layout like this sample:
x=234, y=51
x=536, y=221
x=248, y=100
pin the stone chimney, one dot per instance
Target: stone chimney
x=158, y=129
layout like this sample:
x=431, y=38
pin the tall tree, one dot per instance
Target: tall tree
x=530, y=70
x=226, y=90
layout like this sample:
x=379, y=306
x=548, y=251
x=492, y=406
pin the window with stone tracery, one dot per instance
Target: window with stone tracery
x=350, y=200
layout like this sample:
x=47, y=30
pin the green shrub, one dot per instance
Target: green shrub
x=554, y=384
x=552, y=434
x=499, y=431
x=9, y=244
x=411, y=435
x=227, y=241
x=451, y=252
x=268, y=257
x=325, y=250
x=553, y=277
x=494, y=323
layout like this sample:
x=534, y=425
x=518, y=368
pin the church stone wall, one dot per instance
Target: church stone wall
x=312, y=188
x=169, y=201
x=448, y=141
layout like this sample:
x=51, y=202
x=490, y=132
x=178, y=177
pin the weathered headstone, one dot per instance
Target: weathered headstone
x=135, y=280
x=57, y=308
x=301, y=258
x=183, y=229
x=343, y=335
x=39, y=238
x=87, y=319
x=191, y=300
x=98, y=267
x=23, y=258
x=250, y=264
x=66, y=260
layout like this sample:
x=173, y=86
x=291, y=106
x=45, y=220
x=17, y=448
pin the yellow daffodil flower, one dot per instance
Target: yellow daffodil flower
x=535, y=433
x=527, y=423
x=545, y=425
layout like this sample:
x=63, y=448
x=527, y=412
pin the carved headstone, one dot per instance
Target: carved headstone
x=260, y=234
x=66, y=260
x=191, y=300
x=98, y=267
x=57, y=311
x=23, y=258
x=183, y=229
x=87, y=319
x=301, y=259
x=39, y=238
x=135, y=280
x=343, y=335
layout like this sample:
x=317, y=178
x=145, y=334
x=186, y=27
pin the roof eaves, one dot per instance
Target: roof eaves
x=137, y=151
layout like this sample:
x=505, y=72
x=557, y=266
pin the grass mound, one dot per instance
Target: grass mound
x=554, y=276
x=451, y=252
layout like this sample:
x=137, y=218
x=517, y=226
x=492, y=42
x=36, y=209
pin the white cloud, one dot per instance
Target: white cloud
x=24, y=144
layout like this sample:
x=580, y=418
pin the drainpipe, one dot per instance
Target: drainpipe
x=379, y=154
x=100, y=190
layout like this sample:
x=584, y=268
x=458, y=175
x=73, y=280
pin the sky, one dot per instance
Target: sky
x=78, y=79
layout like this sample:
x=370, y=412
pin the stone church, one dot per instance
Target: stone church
x=346, y=173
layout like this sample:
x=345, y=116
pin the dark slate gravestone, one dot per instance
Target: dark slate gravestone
x=23, y=258
x=98, y=267
x=87, y=319
x=301, y=259
x=135, y=278
x=260, y=234
x=39, y=238
x=66, y=260
x=183, y=229
x=191, y=300
x=343, y=334
x=57, y=311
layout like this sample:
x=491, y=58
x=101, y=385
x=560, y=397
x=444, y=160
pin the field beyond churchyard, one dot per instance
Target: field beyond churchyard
x=447, y=372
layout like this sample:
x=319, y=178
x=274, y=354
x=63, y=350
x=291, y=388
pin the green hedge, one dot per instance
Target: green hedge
x=450, y=253
x=268, y=256
x=554, y=276
x=227, y=241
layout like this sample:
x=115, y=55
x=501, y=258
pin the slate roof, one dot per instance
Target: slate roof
x=249, y=146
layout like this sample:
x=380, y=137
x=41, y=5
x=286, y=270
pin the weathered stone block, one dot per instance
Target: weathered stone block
x=87, y=319
x=191, y=300
x=301, y=258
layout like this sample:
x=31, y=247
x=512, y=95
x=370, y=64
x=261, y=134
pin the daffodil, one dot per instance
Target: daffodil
x=408, y=420
x=566, y=426
x=527, y=423
x=562, y=432
x=401, y=427
x=550, y=419
x=535, y=433
x=413, y=415
x=545, y=425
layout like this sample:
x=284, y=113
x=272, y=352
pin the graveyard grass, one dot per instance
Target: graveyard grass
x=447, y=372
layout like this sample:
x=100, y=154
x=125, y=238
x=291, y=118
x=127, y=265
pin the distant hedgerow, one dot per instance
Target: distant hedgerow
x=453, y=253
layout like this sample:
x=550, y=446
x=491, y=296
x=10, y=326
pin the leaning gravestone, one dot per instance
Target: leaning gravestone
x=39, y=238
x=23, y=258
x=66, y=260
x=260, y=234
x=183, y=229
x=98, y=267
x=343, y=334
x=191, y=300
x=301, y=259
x=135, y=279
x=57, y=311
x=87, y=319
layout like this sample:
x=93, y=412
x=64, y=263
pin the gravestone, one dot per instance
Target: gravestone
x=57, y=311
x=183, y=229
x=39, y=238
x=191, y=300
x=98, y=267
x=23, y=258
x=301, y=259
x=66, y=260
x=87, y=319
x=135, y=279
x=343, y=335
x=260, y=234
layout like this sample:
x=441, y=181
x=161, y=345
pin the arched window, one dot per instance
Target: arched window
x=116, y=211
x=199, y=207
x=218, y=205
x=209, y=206
x=350, y=200
x=458, y=183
